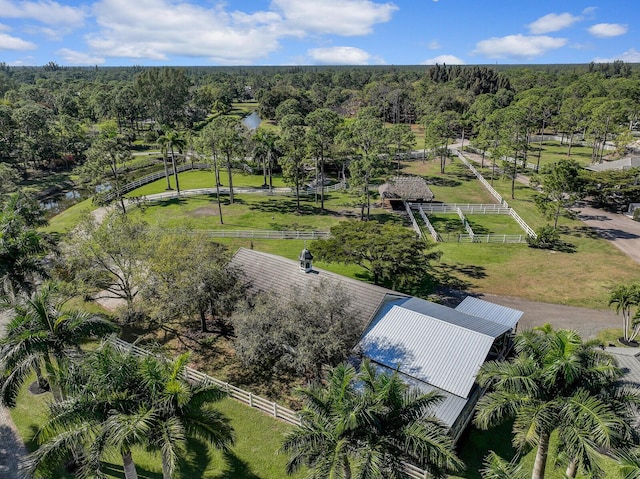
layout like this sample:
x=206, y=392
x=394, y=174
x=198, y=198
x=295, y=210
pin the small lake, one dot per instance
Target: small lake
x=252, y=121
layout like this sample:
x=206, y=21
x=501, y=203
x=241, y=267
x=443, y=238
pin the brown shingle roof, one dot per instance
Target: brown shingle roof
x=267, y=272
x=409, y=188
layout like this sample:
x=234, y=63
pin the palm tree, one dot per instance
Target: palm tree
x=119, y=400
x=21, y=245
x=170, y=140
x=629, y=464
x=623, y=298
x=556, y=382
x=42, y=336
x=182, y=410
x=104, y=413
x=368, y=424
x=496, y=467
x=266, y=149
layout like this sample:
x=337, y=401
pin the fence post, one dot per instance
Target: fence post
x=275, y=410
x=250, y=400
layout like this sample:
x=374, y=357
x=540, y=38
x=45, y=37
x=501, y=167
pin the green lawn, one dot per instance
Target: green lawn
x=206, y=179
x=253, y=456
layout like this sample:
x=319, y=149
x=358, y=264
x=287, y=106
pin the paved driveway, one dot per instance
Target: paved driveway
x=620, y=230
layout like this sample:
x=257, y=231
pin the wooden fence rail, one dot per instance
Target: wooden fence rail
x=264, y=405
x=258, y=234
x=414, y=223
x=434, y=234
x=478, y=208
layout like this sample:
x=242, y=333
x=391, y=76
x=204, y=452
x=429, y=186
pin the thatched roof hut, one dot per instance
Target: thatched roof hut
x=405, y=188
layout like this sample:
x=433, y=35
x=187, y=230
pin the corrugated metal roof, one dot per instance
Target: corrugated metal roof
x=453, y=316
x=491, y=311
x=267, y=272
x=445, y=352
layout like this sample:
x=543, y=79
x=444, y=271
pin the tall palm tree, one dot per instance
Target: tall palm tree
x=42, y=336
x=623, y=298
x=182, y=410
x=172, y=140
x=265, y=148
x=119, y=400
x=556, y=382
x=368, y=424
x=104, y=413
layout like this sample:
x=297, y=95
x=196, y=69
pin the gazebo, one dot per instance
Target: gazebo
x=405, y=188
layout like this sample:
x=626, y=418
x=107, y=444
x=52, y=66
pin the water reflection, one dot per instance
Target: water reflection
x=252, y=121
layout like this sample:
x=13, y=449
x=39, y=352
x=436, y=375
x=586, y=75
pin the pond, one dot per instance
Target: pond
x=252, y=121
x=57, y=203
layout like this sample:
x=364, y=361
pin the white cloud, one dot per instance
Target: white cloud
x=339, y=17
x=630, y=56
x=156, y=29
x=518, y=46
x=607, y=30
x=434, y=45
x=72, y=57
x=7, y=42
x=589, y=11
x=159, y=29
x=44, y=11
x=442, y=59
x=553, y=22
x=342, y=56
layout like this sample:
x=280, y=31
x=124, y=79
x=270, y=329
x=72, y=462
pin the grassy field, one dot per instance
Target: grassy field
x=512, y=270
x=253, y=456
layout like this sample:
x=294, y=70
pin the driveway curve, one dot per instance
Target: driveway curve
x=620, y=230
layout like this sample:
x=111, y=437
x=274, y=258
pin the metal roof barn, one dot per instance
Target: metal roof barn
x=445, y=352
x=491, y=311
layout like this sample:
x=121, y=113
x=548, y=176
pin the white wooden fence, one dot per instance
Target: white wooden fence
x=527, y=229
x=258, y=234
x=489, y=238
x=414, y=223
x=478, y=208
x=434, y=234
x=269, y=407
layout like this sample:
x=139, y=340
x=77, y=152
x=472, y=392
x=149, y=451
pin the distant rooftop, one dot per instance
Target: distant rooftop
x=621, y=164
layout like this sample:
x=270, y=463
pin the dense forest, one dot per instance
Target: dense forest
x=51, y=116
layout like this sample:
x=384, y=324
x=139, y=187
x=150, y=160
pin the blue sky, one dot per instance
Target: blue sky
x=317, y=32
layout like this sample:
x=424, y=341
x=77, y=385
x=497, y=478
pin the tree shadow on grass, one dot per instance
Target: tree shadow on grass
x=579, y=232
x=117, y=471
x=236, y=468
x=442, y=181
x=475, y=444
x=289, y=206
x=453, y=276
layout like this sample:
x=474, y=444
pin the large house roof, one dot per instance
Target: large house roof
x=431, y=343
x=267, y=272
